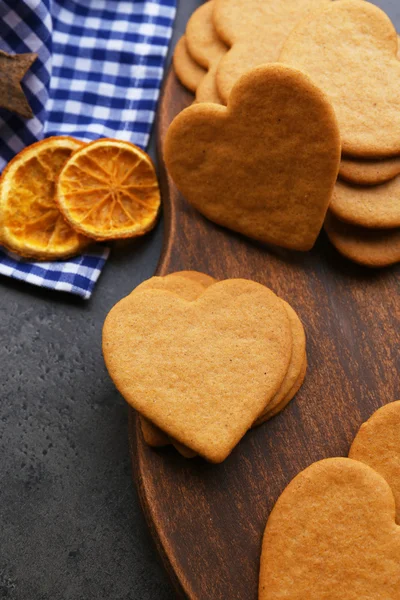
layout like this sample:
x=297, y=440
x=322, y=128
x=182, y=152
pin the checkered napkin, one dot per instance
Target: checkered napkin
x=98, y=74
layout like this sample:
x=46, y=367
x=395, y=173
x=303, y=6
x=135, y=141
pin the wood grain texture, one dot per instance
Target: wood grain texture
x=208, y=520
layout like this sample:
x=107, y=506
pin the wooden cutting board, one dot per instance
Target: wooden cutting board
x=208, y=520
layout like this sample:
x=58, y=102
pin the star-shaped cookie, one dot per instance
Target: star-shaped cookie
x=12, y=69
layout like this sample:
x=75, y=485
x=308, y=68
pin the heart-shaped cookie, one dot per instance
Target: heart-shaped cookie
x=266, y=165
x=298, y=364
x=203, y=370
x=349, y=49
x=332, y=535
x=291, y=394
x=377, y=444
x=188, y=285
x=255, y=31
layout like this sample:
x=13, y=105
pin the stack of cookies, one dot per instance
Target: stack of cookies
x=198, y=54
x=226, y=38
x=334, y=532
x=204, y=361
x=225, y=42
x=331, y=46
x=266, y=164
x=363, y=223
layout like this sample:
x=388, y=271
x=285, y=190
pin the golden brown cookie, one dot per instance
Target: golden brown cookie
x=203, y=278
x=192, y=286
x=152, y=435
x=349, y=49
x=207, y=49
x=292, y=382
x=369, y=247
x=332, y=535
x=369, y=172
x=156, y=438
x=266, y=165
x=255, y=31
x=297, y=385
x=296, y=365
x=377, y=444
x=184, y=450
x=188, y=71
x=181, y=285
x=376, y=207
x=203, y=42
x=207, y=90
x=203, y=370
x=268, y=414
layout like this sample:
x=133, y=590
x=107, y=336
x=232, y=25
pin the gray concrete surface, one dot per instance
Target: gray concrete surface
x=70, y=523
x=71, y=527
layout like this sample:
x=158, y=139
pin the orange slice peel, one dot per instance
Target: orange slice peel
x=31, y=223
x=109, y=190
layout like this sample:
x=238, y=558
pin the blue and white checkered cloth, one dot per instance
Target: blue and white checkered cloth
x=98, y=74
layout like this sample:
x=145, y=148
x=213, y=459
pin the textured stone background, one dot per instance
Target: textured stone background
x=71, y=527
x=70, y=524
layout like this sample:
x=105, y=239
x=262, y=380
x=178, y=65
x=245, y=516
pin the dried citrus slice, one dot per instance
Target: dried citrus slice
x=30, y=221
x=109, y=190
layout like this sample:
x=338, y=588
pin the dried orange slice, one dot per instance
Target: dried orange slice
x=109, y=190
x=30, y=221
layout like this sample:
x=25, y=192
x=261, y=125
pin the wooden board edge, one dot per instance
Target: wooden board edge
x=135, y=434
